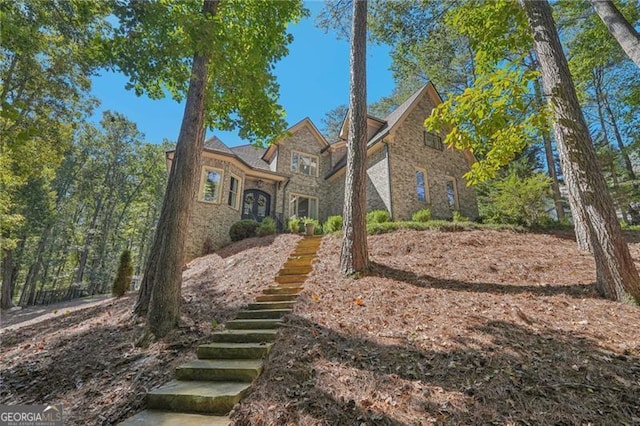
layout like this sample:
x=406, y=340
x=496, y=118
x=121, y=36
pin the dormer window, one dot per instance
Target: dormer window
x=304, y=163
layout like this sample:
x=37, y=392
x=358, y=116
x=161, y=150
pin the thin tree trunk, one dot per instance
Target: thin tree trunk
x=619, y=27
x=616, y=132
x=354, y=257
x=163, y=273
x=551, y=164
x=6, y=301
x=616, y=274
x=84, y=254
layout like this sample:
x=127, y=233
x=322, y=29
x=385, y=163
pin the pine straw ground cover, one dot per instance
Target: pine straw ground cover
x=479, y=327
x=87, y=360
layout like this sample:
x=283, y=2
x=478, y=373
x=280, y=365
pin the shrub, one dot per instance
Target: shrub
x=378, y=216
x=457, y=217
x=333, y=224
x=517, y=200
x=122, y=282
x=267, y=227
x=242, y=229
x=295, y=224
x=423, y=215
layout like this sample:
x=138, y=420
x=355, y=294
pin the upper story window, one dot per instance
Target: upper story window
x=304, y=163
x=432, y=140
x=211, y=185
x=421, y=186
x=234, y=192
x=452, y=193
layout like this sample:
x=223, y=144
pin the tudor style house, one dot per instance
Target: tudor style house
x=303, y=174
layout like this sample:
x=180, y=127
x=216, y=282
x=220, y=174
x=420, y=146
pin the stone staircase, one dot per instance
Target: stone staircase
x=206, y=389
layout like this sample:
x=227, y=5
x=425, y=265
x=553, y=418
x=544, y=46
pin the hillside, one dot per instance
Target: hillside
x=473, y=327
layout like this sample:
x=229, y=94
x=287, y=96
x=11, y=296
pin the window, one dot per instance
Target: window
x=210, y=183
x=421, y=186
x=304, y=163
x=302, y=206
x=234, y=190
x=432, y=140
x=452, y=193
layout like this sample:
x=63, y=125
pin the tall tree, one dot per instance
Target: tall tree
x=228, y=83
x=616, y=275
x=354, y=256
x=619, y=27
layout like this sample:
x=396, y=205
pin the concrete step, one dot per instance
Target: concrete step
x=295, y=270
x=262, y=314
x=285, y=279
x=253, y=324
x=197, y=397
x=291, y=291
x=304, y=251
x=167, y=418
x=220, y=370
x=270, y=305
x=276, y=298
x=244, y=336
x=233, y=350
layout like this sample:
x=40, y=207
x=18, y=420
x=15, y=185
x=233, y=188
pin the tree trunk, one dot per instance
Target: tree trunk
x=163, y=273
x=616, y=275
x=354, y=256
x=616, y=132
x=6, y=301
x=84, y=255
x=619, y=27
x=551, y=164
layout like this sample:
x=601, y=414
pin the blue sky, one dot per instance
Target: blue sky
x=313, y=78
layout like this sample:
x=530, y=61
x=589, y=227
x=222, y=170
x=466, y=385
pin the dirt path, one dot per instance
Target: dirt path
x=14, y=319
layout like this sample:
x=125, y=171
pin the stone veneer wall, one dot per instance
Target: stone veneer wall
x=408, y=153
x=303, y=141
x=213, y=220
x=378, y=196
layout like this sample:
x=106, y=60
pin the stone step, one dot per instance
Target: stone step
x=295, y=270
x=167, y=418
x=244, y=336
x=262, y=314
x=197, y=397
x=291, y=291
x=253, y=324
x=220, y=370
x=276, y=298
x=270, y=305
x=304, y=251
x=285, y=279
x=233, y=350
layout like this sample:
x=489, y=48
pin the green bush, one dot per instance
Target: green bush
x=122, y=282
x=266, y=227
x=438, y=225
x=457, y=217
x=242, y=229
x=378, y=216
x=423, y=215
x=333, y=224
x=295, y=224
x=517, y=200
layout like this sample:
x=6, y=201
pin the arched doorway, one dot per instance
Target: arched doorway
x=256, y=205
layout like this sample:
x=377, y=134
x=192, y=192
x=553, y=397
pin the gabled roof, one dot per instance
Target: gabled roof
x=305, y=122
x=215, y=144
x=394, y=119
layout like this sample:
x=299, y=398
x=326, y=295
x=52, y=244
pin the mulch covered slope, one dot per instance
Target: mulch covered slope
x=87, y=360
x=481, y=327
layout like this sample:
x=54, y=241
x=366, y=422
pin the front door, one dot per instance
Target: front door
x=256, y=205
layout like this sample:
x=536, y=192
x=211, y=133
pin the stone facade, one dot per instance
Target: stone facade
x=408, y=153
x=397, y=150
